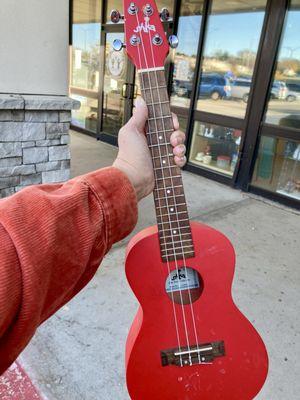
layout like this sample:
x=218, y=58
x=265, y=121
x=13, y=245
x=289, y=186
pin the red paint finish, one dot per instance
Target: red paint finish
x=15, y=384
x=146, y=55
x=239, y=375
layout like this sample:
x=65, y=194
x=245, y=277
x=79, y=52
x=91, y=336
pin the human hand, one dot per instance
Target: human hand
x=134, y=156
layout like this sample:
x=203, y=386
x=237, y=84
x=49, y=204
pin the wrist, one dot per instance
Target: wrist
x=132, y=174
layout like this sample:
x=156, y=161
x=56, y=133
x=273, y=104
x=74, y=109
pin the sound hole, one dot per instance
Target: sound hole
x=184, y=285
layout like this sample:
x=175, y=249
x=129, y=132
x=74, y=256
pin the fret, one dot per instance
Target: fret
x=162, y=131
x=181, y=204
x=172, y=236
x=177, y=248
x=165, y=167
x=174, y=213
x=157, y=103
x=154, y=87
x=174, y=176
x=179, y=241
x=169, y=198
x=170, y=188
x=159, y=117
x=175, y=222
x=166, y=155
x=159, y=144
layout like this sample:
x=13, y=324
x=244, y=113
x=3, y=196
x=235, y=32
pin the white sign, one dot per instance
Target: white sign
x=182, y=279
x=116, y=63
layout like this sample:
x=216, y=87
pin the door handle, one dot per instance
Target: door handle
x=133, y=91
x=124, y=92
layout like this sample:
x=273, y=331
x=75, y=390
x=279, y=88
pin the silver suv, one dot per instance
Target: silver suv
x=240, y=89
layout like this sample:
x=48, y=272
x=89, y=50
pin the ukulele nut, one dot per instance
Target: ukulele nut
x=157, y=40
x=132, y=9
x=148, y=10
x=135, y=40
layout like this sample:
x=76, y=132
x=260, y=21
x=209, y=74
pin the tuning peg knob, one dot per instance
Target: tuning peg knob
x=164, y=15
x=118, y=45
x=173, y=41
x=115, y=16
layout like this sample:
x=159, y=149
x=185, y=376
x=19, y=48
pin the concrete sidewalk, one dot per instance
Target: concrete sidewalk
x=79, y=353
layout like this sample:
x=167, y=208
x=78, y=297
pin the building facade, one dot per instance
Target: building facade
x=234, y=82
x=35, y=110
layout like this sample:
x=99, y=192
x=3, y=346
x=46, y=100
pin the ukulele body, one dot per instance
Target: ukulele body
x=237, y=375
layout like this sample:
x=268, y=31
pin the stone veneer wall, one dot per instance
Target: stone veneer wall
x=34, y=140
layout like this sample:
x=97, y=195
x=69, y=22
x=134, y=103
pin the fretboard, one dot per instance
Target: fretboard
x=171, y=210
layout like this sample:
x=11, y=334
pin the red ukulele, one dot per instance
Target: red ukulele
x=188, y=340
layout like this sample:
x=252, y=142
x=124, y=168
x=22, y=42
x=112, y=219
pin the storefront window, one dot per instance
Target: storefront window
x=215, y=147
x=114, y=86
x=85, y=62
x=284, y=99
x=229, y=55
x=277, y=167
x=118, y=5
x=86, y=116
x=186, y=53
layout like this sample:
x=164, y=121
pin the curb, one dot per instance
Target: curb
x=15, y=384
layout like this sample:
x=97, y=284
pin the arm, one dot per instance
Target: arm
x=53, y=237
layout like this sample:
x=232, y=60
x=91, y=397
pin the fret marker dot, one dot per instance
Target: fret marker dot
x=171, y=209
x=160, y=137
x=168, y=191
x=164, y=161
x=174, y=231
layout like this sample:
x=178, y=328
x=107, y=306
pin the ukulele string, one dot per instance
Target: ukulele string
x=150, y=138
x=177, y=215
x=163, y=180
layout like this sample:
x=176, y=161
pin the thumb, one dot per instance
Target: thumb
x=140, y=115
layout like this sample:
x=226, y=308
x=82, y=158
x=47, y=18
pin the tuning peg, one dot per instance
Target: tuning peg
x=173, y=41
x=115, y=16
x=164, y=14
x=118, y=45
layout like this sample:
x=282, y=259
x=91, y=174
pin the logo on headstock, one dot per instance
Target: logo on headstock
x=145, y=26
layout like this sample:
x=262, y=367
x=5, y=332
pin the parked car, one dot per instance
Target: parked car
x=279, y=90
x=182, y=88
x=214, y=86
x=240, y=89
x=293, y=92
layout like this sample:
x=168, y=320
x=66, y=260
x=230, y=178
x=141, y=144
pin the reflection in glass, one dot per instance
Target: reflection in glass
x=284, y=99
x=185, y=56
x=277, y=166
x=118, y=5
x=215, y=147
x=229, y=56
x=86, y=116
x=114, y=90
x=85, y=62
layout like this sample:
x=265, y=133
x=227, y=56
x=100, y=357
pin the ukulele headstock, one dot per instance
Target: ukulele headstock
x=146, y=43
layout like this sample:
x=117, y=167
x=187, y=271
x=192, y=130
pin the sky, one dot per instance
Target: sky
x=230, y=32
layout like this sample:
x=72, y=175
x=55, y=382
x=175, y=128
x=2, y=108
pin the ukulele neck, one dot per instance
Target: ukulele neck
x=173, y=223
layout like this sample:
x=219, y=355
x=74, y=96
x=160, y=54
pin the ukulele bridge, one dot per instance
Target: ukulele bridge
x=192, y=355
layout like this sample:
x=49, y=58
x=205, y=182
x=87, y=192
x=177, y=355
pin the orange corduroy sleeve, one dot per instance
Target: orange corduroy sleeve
x=52, y=240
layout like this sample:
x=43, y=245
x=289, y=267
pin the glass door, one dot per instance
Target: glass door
x=117, y=87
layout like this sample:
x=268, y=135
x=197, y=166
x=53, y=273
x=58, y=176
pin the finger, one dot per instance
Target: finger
x=175, y=122
x=180, y=161
x=179, y=150
x=140, y=115
x=176, y=138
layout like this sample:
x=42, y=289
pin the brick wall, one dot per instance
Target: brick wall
x=34, y=140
